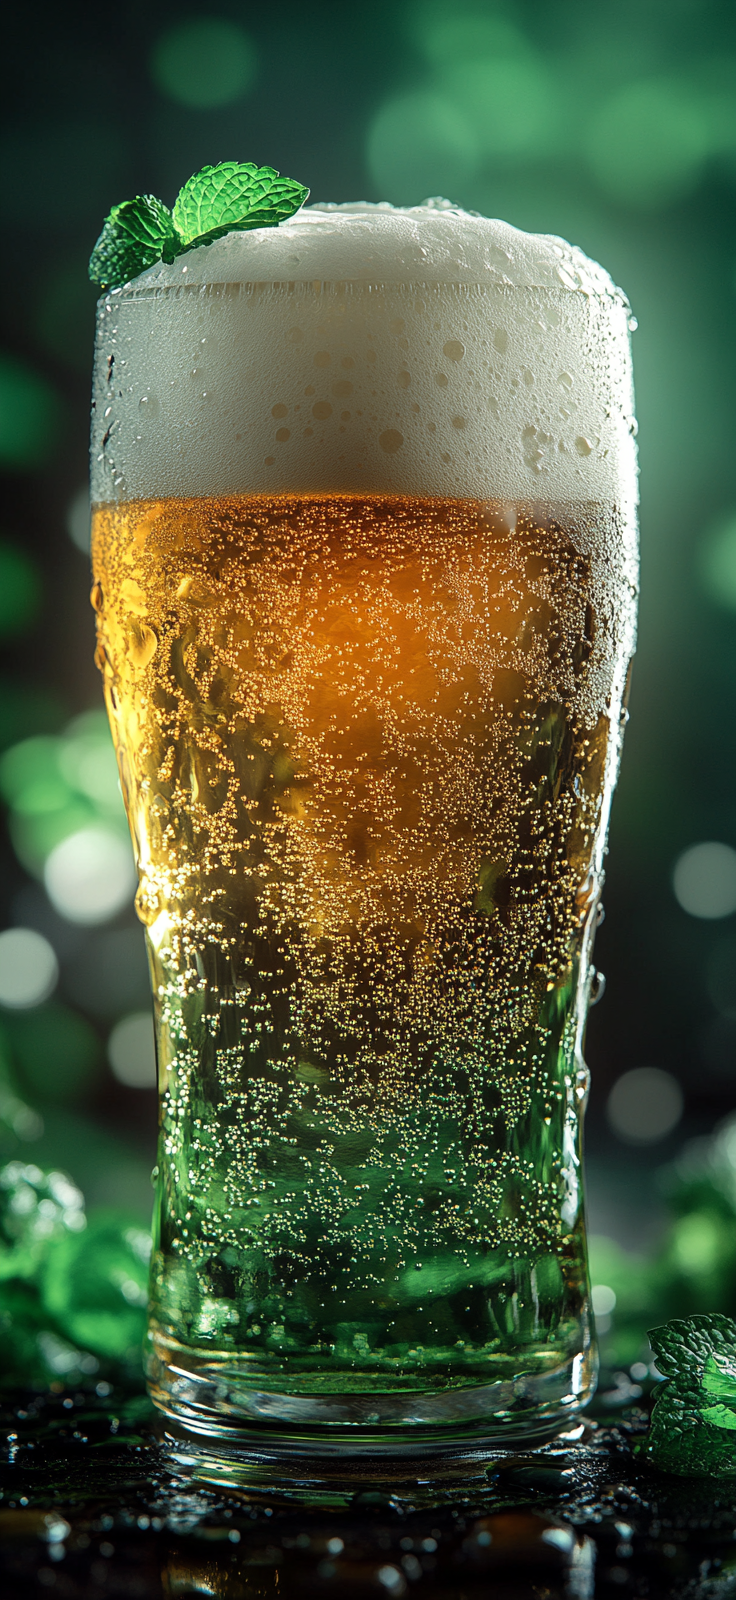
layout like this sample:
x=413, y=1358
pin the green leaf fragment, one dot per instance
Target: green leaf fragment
x=719, y=1378
x=688, y=1433
x=720, y=1416
x=683, y=1345
x=136, y=234
x=233, y=196
x=682, y=1441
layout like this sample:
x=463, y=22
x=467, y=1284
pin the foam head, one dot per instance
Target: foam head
x=365, y=349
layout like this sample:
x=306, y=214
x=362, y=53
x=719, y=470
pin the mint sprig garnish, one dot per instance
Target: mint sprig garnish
x=136, y=234
x=694, y=1419
x=234, y=195
x=231, y=197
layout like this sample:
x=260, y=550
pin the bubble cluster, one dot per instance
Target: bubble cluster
x=367, y=746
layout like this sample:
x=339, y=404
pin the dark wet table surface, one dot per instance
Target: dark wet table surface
x=97, y=1505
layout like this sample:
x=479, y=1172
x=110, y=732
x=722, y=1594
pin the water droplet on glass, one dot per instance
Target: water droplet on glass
x=597, y=988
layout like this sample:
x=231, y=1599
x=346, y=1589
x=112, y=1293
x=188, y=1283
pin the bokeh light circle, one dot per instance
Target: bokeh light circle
x=704, y=880
x=420, y=144
x=203, y=63
x=718, y=563
x=86, y=759
x=131, y=1051
x=603, y=1299
x=29, y=969
x=644, y=1105
x=509, y=104
x=90, y=875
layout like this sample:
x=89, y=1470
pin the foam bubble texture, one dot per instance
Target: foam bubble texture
x=366, y=349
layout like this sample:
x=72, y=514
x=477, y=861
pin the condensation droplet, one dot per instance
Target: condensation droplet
x=142, y=644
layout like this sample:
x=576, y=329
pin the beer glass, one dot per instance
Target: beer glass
x=364, y=497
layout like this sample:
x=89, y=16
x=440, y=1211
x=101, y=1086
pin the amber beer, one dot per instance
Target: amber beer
x=367, y=737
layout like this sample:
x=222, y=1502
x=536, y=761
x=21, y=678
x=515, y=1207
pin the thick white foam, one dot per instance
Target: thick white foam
x=361, y=348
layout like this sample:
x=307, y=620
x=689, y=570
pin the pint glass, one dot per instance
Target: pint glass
x=365, y=573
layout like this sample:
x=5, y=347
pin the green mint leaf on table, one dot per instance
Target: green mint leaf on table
x=720, y=1416
x=135, y=236
x=231, y=197
x=694, y=1418
x=719, y=1378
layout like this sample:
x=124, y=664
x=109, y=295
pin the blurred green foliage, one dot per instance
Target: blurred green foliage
x=694, y=1268
x=72, y=1288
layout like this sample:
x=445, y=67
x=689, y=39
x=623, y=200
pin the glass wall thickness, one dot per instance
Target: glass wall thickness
x=368, y=743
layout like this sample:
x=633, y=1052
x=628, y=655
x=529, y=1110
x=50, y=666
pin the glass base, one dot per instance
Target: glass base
x=213, y=1407
x=268, y=1472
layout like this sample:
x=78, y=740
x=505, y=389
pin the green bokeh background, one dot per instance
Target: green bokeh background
x=612, y=125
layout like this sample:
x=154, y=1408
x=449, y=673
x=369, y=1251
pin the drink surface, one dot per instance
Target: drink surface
x=367, y=746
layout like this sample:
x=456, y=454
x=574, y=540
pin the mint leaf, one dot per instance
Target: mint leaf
x=681, y=1440
x=688, y=1433
x=720, y=1416
x=136, y=234
x=233, y=196
x=230, y=197
x=719, y=1378
x=682, y=1347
